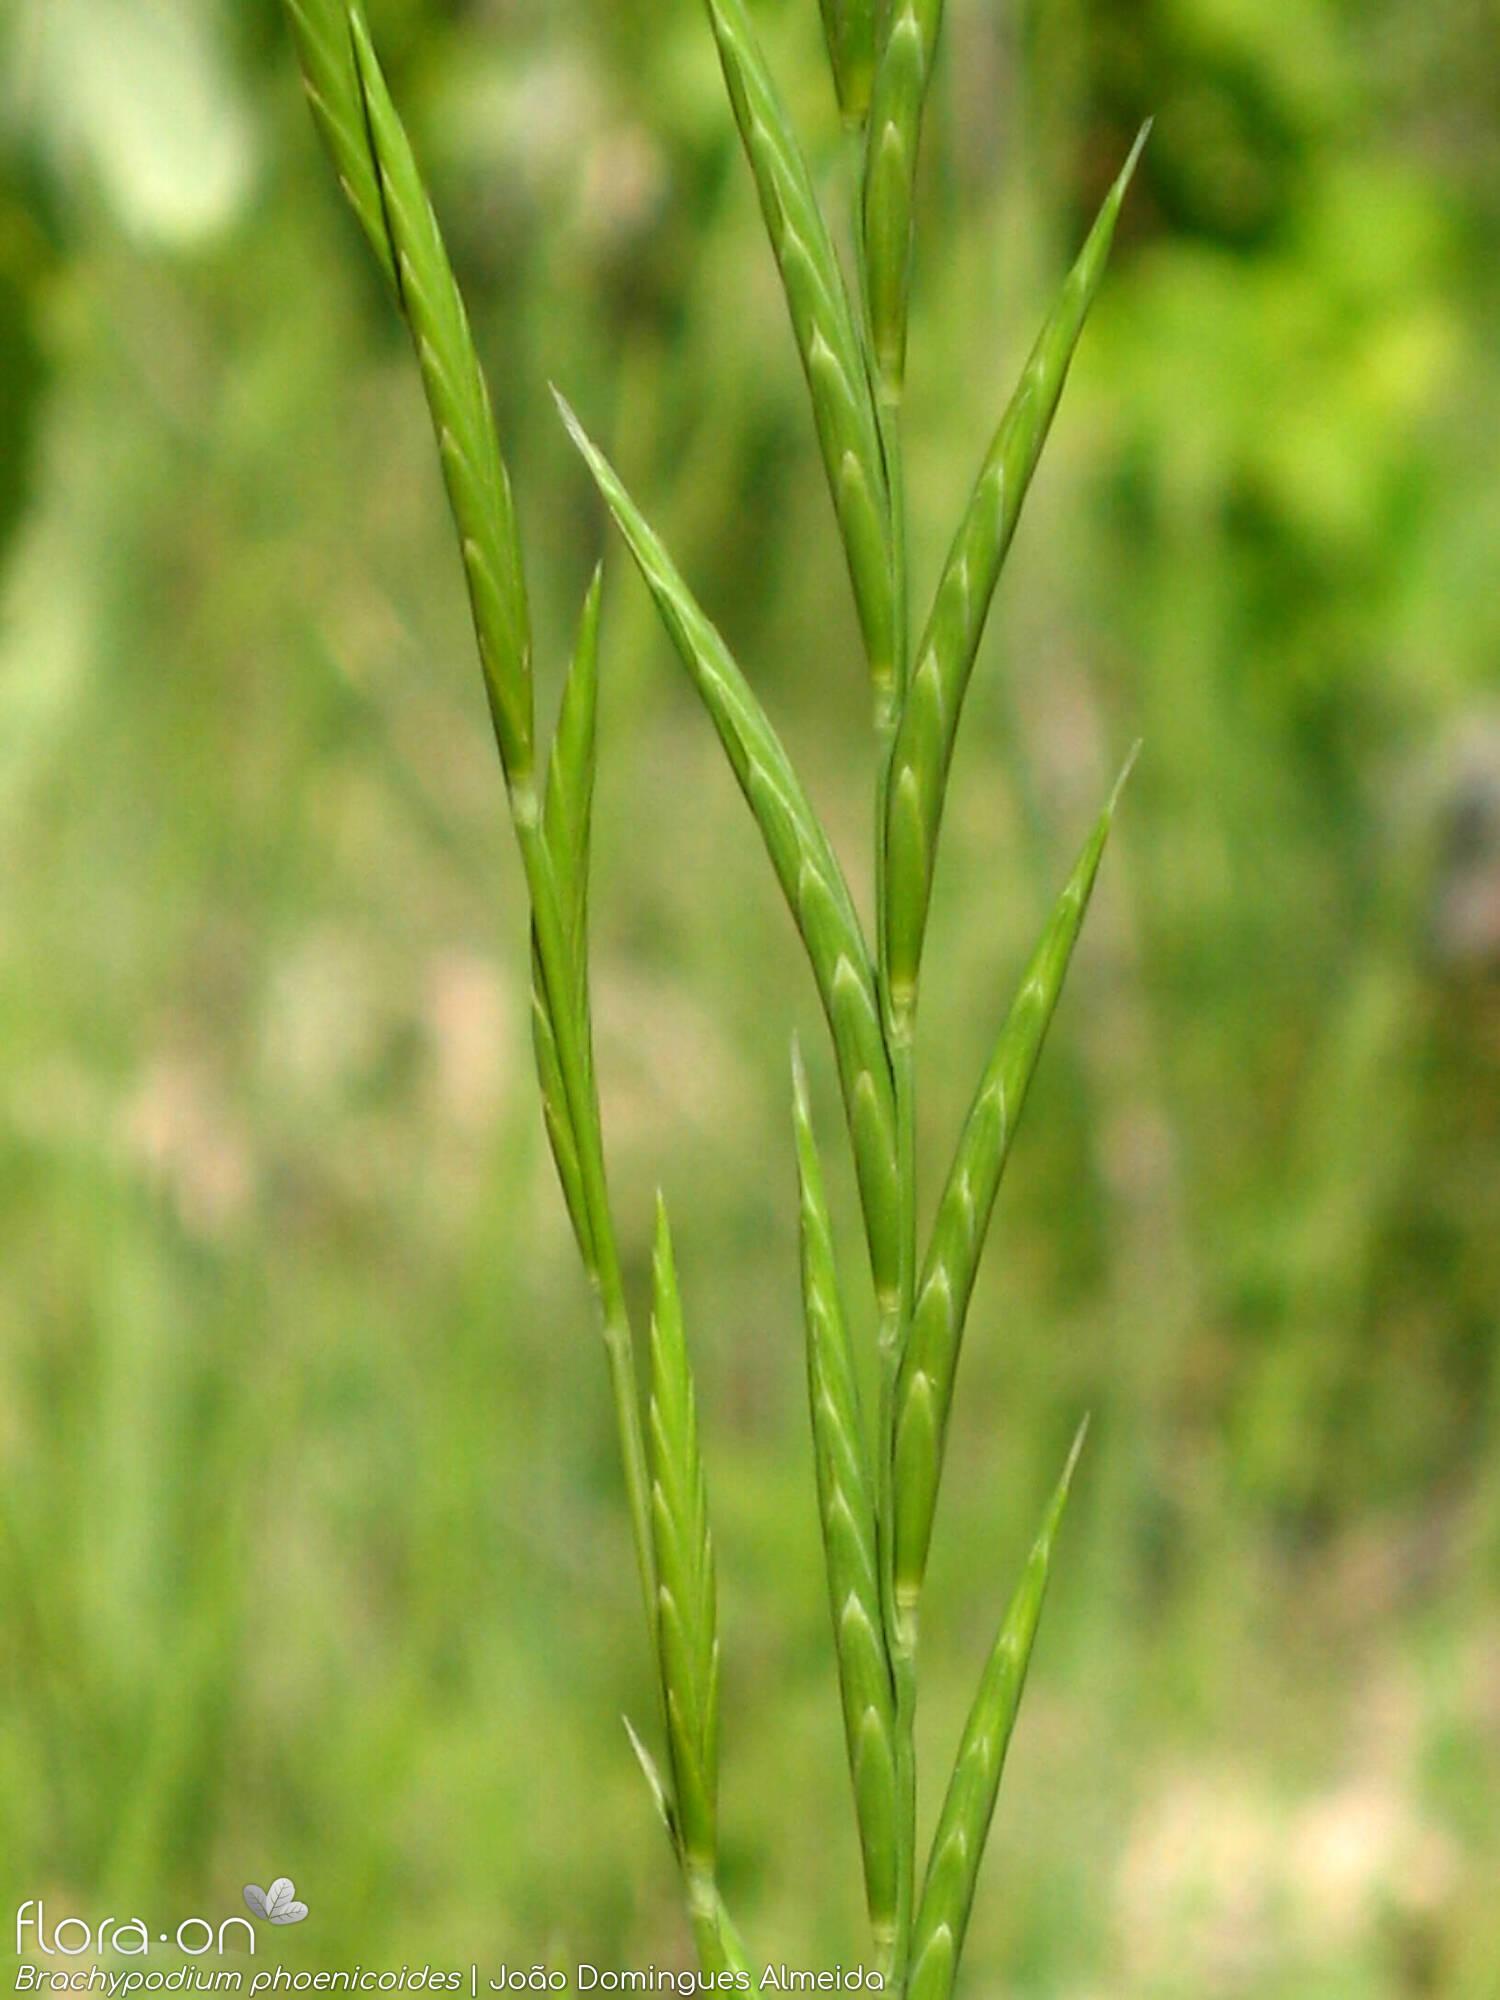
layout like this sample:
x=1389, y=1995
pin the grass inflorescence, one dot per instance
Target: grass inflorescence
x=879, y=1461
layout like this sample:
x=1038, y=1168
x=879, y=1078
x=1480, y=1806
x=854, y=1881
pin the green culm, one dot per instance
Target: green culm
x=878, y=1469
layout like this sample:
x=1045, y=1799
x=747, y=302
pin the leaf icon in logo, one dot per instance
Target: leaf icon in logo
x=278, y=1904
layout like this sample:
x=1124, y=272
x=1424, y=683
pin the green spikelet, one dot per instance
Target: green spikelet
x=826, y=332
x=687, y=1624
x=330, y=77
x=963, y=1827
x=924, y=1394
x=687, y=1615
x=473, y=470
x=567, y=818
x=946, y=654
x=805, y=865
x=846, y=1506
x=892, y=144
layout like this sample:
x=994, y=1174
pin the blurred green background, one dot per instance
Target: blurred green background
x=312, y=1554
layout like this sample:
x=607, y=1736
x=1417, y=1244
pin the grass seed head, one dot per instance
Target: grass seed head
x=877, y=1485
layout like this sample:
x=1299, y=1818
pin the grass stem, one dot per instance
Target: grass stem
x=559, y=973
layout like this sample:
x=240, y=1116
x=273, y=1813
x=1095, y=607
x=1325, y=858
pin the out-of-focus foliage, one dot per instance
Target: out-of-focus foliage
x=296, y=1384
